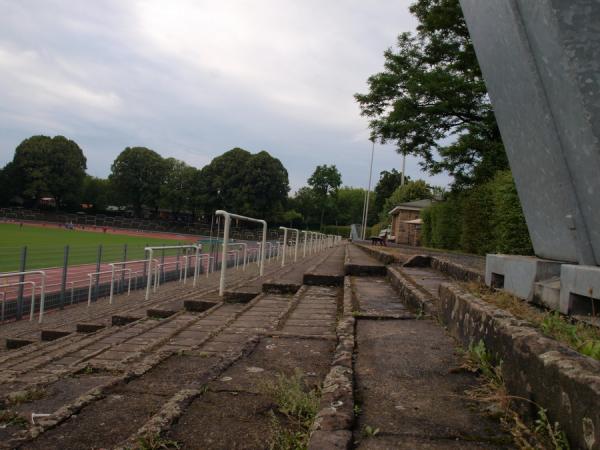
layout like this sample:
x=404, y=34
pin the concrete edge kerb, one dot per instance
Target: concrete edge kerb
x=534, y=367
x=332, y=427
x=451, y=268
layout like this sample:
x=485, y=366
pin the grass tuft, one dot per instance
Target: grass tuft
x=297, y=408
x=579, y=336
x=12, y=418
x=30, y=395
x=156, y=442
x=540, y=435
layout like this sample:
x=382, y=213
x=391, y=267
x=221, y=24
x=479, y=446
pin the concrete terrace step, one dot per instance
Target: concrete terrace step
x=108, y=348
x=358, y=262
x=315, y=314
x=405, y=383
x=286, y=279
x=330, y=271
x=374, y=297
x=170, y=297
x=214, y=336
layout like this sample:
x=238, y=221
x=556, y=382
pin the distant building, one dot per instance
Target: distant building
x=406, y=222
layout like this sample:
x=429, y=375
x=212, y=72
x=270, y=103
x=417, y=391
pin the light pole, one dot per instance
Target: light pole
x=403, y=168
x=366, y=209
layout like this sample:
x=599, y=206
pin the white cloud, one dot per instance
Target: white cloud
x=194, y=78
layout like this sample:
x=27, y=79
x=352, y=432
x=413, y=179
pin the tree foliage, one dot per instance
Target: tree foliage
x=96, y=192
x=177, y=190
x=49, y=167
x=9, y=186
x=387, y=184
x=137, y=175
x=325, y=182
x=431, y=99
x=349, y=206
x=485, y=219
x=249, y=184
x=411, y=191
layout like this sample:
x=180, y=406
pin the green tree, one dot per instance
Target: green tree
x=137, y=175
x=431, y=98
x=387, y=184
x=177, y=190
x=411, y=191
x=305, y=202
x=291, y=218
x=349, y=204
x=325, y=182
x=9, y=183
x=254, y=185
x=45, y=166
x=96, y=192
x=266, y=186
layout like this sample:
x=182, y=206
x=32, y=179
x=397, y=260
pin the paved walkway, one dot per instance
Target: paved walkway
x=405, y=384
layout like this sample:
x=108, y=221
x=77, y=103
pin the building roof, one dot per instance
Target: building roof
x=417, y=205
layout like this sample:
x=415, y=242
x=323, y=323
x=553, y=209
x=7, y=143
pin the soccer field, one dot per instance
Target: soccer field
x=45, y=246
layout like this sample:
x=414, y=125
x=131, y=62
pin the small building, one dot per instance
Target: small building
x=406, y=222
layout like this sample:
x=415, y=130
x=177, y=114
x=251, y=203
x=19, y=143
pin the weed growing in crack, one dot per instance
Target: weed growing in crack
x=581, y=337
x=12, y=418
x=542, y=434
x=544, y=427
x=285, y=439
x=420, y=312
x=30, y=395
x=87, y=370
x=296, y=410
x=156, y=442
x=369, y=431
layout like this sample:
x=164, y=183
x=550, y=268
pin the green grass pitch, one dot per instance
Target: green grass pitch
x=45, y=246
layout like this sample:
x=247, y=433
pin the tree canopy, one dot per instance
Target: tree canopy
x=325, y=180
x=411, y=191
x=178, y=188
x=387, y=184
x=96, y=192
x=250, y=184
x=53, y=167
x=137, y=175
x=431, y=99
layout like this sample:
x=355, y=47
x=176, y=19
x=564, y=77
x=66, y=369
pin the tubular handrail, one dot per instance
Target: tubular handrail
x=22, y=283
x=245, y=254
x=150, y=251
x=228, y=216
x=285, y=231
x=112, y=273
x=208, y=258
x=43, y=284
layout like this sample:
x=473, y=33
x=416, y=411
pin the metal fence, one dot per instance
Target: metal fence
x=101, y=221
x=77, y=274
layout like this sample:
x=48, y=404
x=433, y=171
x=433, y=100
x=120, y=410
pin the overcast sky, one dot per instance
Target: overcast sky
x=193, y=79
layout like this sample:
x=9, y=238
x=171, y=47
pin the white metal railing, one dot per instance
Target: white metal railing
x=42, y=273
x=112, y=277
x=245, y=253
x=150, y=251
x=285, y=243
x=228, y=216
x=23, y=283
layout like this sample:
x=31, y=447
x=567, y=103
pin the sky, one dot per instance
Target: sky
x=192, y=79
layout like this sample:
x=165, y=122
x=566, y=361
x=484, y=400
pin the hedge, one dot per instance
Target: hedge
x=484, y=219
